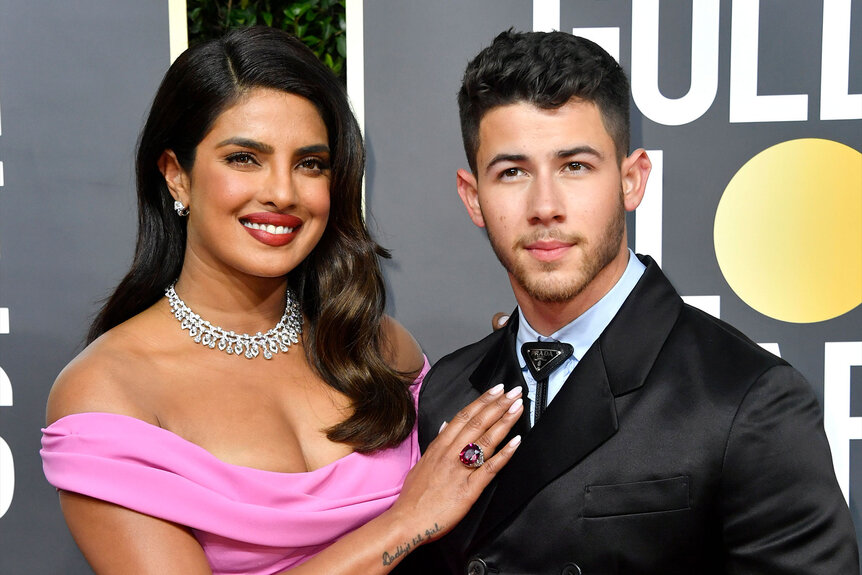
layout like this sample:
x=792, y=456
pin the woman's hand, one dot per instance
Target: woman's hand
x=440, y=489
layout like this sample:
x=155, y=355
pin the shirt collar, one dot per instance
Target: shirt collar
x=585, y=329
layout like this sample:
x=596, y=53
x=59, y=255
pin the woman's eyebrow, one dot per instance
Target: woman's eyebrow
x=315, y=149
x=247, y=143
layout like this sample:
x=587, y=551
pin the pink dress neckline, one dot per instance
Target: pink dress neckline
x=247, y=520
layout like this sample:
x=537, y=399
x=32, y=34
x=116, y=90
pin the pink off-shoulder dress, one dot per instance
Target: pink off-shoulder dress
x=247, y=520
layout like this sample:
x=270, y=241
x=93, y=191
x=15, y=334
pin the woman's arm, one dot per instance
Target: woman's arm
x=117, y=540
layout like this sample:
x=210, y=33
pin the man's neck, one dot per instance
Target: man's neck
x=548, y=317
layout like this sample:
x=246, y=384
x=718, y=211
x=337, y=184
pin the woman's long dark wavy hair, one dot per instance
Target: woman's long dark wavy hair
x=339, y=284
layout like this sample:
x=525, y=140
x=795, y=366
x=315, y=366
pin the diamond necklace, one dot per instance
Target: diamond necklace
x=277, y=339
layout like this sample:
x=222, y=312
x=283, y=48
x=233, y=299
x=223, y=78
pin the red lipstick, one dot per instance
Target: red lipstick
x=271, y=228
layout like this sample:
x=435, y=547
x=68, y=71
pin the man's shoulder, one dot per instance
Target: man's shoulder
x=724, y=358
x=718, y=336
x=463, y=361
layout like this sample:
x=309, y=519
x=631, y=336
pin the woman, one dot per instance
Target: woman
x=182, y=447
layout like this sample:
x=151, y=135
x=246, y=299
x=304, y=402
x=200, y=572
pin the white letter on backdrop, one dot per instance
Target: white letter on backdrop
x=704, y=63
x=546, y=15
x=836, y=102
x=840, y=427
x=745, y=104
x=7, y=464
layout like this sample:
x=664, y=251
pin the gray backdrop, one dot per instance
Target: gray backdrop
x=76, y=79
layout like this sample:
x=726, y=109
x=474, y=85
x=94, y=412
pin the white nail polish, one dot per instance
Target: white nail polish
x=442, y=427
x=514, y=392
x=496, y=390
x=502, y=321
x=515, y=441
x=516, y=406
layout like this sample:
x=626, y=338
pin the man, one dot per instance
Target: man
x=656, y=438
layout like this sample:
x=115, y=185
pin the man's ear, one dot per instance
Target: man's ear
x=469, y=192
x=175, y=177
x=634, y=171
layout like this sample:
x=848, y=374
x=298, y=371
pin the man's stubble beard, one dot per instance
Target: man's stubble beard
x=543, y=287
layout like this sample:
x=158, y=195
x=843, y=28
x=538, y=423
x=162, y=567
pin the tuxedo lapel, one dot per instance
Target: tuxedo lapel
x=500, y=365
x=581, y=417
x=632, y=341
x=583, y=414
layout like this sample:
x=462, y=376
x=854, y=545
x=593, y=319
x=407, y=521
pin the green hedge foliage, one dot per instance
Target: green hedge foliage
x=319, y=24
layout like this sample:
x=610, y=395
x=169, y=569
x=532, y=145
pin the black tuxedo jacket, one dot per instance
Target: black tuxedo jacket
x=676, y=446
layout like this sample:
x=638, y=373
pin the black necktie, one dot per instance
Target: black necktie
x=542, y=358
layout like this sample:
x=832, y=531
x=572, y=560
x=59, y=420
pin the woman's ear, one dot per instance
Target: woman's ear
x=175, y=177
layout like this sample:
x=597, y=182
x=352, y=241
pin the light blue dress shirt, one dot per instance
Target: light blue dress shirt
x=580, y=333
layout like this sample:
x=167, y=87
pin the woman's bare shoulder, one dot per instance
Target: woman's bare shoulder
x=102, y=378
x=403, y=351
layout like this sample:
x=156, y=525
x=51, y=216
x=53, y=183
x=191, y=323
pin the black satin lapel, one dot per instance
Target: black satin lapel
x=580, y=418
x=634, y=338
x=500, y=365
x=583, y=414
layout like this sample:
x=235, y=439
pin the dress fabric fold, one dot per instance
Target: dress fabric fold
x=247, y=520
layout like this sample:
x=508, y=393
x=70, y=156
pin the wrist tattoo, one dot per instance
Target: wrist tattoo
x=408, y=546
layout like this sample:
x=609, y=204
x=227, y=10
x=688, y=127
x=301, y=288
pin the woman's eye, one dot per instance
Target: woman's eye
x=314, y=164
x=241, y=158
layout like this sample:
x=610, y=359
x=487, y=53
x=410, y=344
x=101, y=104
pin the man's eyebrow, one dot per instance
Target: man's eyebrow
x=579, y=150
x=247, y=143
x=504, y=158
x=576, y=151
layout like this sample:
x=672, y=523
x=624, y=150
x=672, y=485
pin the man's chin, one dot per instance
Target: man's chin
x=552, y=290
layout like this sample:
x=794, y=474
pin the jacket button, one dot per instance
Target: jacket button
x=571, y=569
x=476, y=567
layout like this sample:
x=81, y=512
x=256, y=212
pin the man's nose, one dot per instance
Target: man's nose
x=546, y=203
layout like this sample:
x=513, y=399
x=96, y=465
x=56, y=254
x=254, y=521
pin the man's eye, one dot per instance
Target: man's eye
x=574, y=166
x=510, y=173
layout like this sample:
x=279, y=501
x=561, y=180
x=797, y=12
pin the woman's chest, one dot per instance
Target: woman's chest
x=270, y=419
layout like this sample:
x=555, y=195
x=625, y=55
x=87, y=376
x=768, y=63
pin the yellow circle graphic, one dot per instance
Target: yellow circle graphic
x=788, y=231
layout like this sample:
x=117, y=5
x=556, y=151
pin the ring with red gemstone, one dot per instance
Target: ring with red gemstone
x=472, y=455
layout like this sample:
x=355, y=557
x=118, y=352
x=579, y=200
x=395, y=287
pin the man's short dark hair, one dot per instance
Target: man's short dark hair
x=546, y=69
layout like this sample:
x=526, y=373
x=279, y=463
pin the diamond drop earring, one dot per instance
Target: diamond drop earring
x=180, y=209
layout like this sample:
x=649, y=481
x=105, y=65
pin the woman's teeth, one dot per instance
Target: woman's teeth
x=277, y=230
